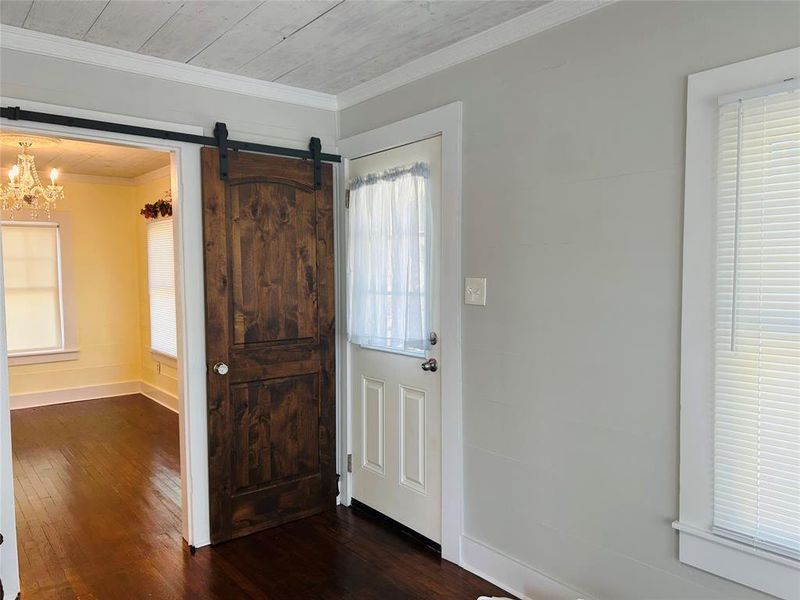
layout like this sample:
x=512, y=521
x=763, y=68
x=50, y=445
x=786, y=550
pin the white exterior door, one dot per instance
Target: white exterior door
x=395, y=394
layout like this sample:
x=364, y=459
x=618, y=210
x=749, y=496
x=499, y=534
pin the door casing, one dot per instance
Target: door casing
x=447, y=122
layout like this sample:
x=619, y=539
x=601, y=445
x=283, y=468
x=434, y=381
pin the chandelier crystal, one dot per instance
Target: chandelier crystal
x=25, y=192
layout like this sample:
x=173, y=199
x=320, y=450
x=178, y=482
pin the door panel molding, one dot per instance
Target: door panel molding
x=447, y=122
x=413, y=436
x=373, y=425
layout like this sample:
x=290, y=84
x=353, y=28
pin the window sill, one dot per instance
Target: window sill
x=163, y=357
x=758, y=569
x=36, y=358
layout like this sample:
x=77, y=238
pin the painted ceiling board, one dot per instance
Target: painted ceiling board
x=194, y=26
x=265, y=27
x=78, y=157
x=69, y=19
x=348, y=27
x=431, y=27
x=13, y=12
x=128, y=24
x=322, y=45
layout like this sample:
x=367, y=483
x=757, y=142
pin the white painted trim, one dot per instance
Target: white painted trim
x=154, y=175
x=95, y=392
x=187, y=198
x=96, y=179
x=530, y=23
x=447, y=121
x=77, y=394
x=696, y=499
x=162, y=397
x=512, y=575
x=738, y=562
x=38, y=358
x=45, y=44
x=9, y=560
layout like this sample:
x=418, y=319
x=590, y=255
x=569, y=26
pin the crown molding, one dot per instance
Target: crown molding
x=540, y=19
x=155, y=175
x=95, y=179
x=530, y=23
x=159, y=173
x=45, y=44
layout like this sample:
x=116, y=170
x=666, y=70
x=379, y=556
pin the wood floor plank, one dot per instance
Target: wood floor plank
x=98, y=517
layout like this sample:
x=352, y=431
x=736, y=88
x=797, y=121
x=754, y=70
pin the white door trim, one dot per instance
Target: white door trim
x=447, y=122
x=185, y=174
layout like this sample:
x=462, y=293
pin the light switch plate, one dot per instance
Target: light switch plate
x=475, y=291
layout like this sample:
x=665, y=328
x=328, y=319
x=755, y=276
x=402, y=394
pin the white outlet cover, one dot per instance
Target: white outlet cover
x=475, y=291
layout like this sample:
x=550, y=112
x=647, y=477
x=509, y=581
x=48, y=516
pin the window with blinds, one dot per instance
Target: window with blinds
x=757, y=324
x=161, y=284
x=31, y=268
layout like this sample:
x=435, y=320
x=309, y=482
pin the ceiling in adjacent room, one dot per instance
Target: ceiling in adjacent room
x=323, y=45
x=77, y=157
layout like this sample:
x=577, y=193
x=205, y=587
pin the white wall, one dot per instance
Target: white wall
x=573, y=195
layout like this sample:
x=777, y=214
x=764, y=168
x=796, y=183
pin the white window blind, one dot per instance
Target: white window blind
x=388, y=260
x=161, y=283
x=757, y=324
x=31, y=267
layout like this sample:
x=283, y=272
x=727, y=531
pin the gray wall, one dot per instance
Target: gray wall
x=55, y=81
x=573, y=193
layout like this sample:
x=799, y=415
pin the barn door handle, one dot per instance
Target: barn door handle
x=221, y=368
x=430, y=365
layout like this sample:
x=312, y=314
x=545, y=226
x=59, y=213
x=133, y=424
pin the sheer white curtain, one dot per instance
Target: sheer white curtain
x=388, y=259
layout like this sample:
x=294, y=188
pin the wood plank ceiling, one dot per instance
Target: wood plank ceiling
x=322, y=45
x=78, y=157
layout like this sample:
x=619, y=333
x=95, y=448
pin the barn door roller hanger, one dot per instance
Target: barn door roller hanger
x=220, y=138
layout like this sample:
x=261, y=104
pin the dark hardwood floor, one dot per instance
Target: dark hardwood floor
x=98, y=517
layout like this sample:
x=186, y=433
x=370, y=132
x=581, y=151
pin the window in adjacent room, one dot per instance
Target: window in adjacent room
x=161, y=285
x=41, y=323
x=32, y=274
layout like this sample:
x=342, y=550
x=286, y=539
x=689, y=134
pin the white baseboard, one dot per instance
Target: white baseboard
x=92, y=392
x=88, y=392
x=513, y=576
x=160, y=396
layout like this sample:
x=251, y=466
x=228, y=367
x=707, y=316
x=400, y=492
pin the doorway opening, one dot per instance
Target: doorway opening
x=93, y=355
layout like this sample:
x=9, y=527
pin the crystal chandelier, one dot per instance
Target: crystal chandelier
x=25, y=191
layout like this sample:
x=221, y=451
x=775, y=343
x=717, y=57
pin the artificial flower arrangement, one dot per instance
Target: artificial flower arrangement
x=160, y=208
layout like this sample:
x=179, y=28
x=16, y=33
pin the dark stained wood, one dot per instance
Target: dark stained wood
x=97, y=486
x=270, y=317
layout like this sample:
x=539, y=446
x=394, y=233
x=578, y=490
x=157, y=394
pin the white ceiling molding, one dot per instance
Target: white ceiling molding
x=153, y=175
x=540, y=19
x=95, y=179
x=159, y=173
x=530, y=23
x=25, y=40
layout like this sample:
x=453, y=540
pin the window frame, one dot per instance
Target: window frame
x=158, y=354
x=69, y=323
x=699, y=546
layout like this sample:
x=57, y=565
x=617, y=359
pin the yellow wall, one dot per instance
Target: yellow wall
x=105, y=286
x=156, y=370
x=109, y=267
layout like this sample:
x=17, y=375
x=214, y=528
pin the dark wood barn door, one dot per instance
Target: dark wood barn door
x=269, y=342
